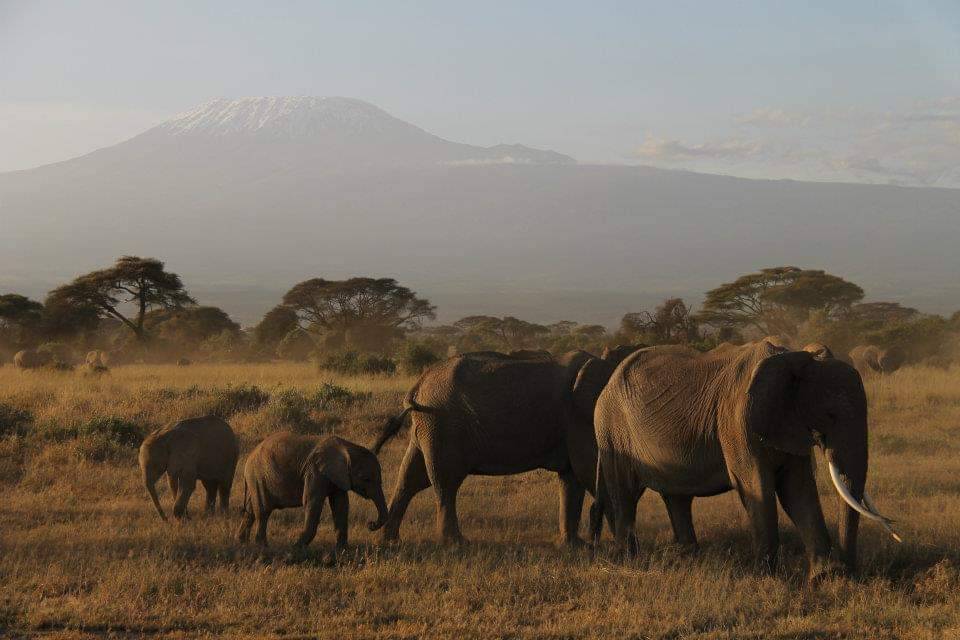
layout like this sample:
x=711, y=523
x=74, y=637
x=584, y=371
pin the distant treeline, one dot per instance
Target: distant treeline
x=137, y=311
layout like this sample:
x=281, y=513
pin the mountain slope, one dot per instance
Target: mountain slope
x=254, y=195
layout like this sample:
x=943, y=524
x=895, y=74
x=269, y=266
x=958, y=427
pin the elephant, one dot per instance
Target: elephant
x=291, y=470
x=819, y=350
x=686, y=424
x=202, y=449
x=96, y=359
x=531, y=354
x=487, y=413
x=871, y=359
x=620, y=352
x=31, y=359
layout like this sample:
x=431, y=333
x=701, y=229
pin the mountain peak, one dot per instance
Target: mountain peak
x=295, y=116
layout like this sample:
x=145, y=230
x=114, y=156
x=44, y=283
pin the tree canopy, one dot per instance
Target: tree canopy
x=778, y=299
x=368, y=311
x=20, y=319
x=189, y=326
x=134, y=283
x=669, y=323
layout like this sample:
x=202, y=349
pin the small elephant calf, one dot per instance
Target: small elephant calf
x=290, y=470
x=203, y=449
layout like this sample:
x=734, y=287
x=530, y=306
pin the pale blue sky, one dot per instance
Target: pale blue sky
x=866, y=91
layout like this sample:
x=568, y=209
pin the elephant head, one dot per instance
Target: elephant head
x=349, y=467
x=795, y=401
x=819, y=350
x=616, y=355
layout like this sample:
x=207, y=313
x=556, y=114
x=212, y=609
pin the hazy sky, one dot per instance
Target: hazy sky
x=855, y=90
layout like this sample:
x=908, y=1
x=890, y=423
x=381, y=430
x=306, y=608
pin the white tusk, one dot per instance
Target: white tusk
x=855, y=504
x=885, y=522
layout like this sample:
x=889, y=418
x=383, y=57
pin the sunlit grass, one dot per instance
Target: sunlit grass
x=83, y=551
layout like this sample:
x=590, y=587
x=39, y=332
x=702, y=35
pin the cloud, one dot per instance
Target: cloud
x=671, y=150
x=915, y=144
x=766, y=116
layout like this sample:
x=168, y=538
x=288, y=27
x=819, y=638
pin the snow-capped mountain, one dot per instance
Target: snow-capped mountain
x=253, y=195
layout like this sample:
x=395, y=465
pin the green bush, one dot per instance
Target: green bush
x=414, y=358
x=14, y=421
x=233, y=399
x=355, y=363
x=114, y=429
x=297, y=411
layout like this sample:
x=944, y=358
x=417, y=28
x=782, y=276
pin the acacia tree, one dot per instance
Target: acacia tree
x=508, y=332
x=371, y=310
x=138, y=284
x=275, y=325
x=20, y=319
x=778, y=299
x=670, y=322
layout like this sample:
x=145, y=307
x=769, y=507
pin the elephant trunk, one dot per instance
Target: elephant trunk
x=382, y=511
x=848, y=472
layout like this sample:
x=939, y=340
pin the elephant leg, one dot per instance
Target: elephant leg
x=620, y=493
x=311, y=519
x=411, y=480
x=262, y=515
x=797, y=490
x=679, y=508
x=446, y=476
x=210, y=486
x=246, y=523
x=340, y=506
x=758, y=496
x=223, y=489
x=174, y=485
x=571, y=508
x=186, y=483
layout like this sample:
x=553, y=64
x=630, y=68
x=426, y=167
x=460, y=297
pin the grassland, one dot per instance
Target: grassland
x=84, y=555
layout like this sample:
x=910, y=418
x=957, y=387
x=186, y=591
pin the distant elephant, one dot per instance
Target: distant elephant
x=490, y=414
x=202, y=449
x=31, y=359
x=871, y=359
x=96, y=359
x=619, y=353
x=183, y=362
x=819, y=350
x=290, y=470
x=686, y=424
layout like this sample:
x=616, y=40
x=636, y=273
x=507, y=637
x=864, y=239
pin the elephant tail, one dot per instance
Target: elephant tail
x=393, y=425
x=599, y=508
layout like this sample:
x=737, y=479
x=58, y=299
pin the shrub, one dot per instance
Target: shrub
x=14, y=420
x=289, y=406
x=330, y=394
x=114, y=429
x=414, y=358
x=354, y=363
x=233, y=399
x=60, y=354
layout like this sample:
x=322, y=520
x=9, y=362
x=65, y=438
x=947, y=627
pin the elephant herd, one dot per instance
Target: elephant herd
x=679, y=422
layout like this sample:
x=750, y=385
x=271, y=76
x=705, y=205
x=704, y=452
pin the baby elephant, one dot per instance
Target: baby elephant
x=289, y=470
x=203, y=449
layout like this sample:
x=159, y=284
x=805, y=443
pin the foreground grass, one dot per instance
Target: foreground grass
x=83, y=554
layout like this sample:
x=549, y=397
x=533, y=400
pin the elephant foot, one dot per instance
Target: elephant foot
x=574, y=543
x=455, y=542
x=820, y=569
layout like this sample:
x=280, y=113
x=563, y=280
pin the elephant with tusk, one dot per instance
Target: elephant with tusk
x=686, y=424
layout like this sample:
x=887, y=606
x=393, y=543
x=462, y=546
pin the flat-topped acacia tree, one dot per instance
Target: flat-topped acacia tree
x=140, y=284
x=370, y=307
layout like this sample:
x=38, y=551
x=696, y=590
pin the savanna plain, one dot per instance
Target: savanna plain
x=83, y=553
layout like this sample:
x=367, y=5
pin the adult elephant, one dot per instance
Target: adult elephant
x=686, y=424
x=493, y=414
x=31, y=359
x=870, y=359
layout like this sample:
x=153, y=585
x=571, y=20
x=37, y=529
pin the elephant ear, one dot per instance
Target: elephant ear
x=334, y=465
x=590, y=381
x=772, y=411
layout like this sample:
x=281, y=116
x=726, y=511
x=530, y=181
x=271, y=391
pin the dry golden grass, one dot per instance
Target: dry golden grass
x=84, y=555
